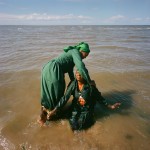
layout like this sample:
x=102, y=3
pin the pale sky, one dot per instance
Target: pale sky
x=74, y=12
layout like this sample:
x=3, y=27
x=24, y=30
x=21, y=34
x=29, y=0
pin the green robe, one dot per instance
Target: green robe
x=53, y=76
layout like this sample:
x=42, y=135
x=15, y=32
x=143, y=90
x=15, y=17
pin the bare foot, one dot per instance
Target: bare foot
x=43, y=118
x=41, y=122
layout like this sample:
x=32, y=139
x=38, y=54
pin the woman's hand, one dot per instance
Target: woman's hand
x=81, y=101
x=51, y=113
x=114, y=106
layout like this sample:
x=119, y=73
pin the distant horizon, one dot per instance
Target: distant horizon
x=69, y=25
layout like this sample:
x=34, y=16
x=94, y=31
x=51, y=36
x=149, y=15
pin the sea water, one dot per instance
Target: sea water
x=119, y=63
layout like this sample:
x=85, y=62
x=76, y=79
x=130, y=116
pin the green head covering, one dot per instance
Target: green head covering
x=81, y=46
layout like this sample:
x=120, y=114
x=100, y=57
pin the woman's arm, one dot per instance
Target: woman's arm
x=80, y=65
x=71, y=75
x=62, y=101
x=96, y=94
x=101, y=99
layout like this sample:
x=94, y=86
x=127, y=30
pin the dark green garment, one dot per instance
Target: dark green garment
x=53, y=79
x=82, y=116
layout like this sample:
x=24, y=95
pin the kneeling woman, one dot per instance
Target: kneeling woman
x=84, y=100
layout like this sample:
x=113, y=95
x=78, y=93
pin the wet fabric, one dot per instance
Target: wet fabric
x=53, y=76
x=82, y=116
x=52, y=84
x=81, y=120
x=81, y=46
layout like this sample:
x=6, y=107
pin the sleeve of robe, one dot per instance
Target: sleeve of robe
x=71, y=75
x=97, y=95
x=80, y=65
x=66, y=97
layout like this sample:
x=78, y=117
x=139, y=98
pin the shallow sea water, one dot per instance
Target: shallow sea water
x=119, y=63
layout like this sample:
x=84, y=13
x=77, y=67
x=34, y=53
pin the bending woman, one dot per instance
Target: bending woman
x=53, y=75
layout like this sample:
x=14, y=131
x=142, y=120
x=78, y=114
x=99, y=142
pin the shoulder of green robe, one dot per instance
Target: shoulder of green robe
x=74, y=51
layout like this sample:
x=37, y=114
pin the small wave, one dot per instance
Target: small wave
x=6, y=144
x=19, y=28
x=114, y=47
x=138, y=37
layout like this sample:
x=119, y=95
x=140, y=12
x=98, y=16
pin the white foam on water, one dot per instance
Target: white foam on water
x=6, y=144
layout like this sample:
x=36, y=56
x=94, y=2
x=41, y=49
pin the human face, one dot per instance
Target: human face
x=84, y=54
x=78, y=76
